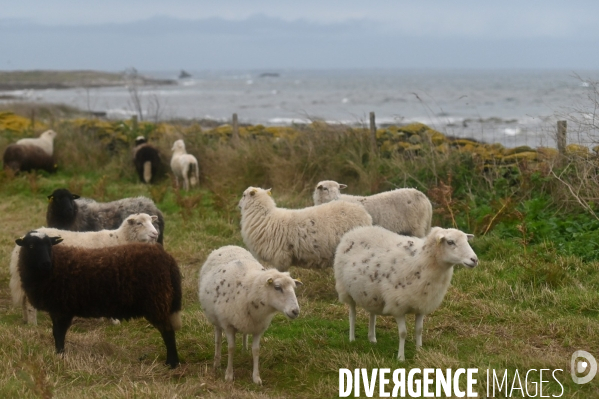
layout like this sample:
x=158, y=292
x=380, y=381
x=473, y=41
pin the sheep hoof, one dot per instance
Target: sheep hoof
x=229, y=376
x=257, y=380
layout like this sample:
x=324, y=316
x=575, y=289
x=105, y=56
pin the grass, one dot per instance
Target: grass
x=524, y=307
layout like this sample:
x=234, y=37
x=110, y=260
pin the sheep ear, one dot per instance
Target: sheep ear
x=469, y=236
x=268, y=191
x=342, y=186
x=75, y=196
x=319, y=187
x=440, y=239
x=253, y=192
x=56, y=240
x=50, y=198
x=130, y=221
x=298, y=282
x=154, y=218
x=19, y=241
x=269, y=281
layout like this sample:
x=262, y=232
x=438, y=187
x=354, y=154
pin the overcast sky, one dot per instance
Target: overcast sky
x=200, y=34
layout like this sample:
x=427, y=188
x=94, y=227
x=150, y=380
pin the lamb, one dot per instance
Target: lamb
x=146, y=159
x=405, y=211
x=305, y=237
x=123, y=282
x=25, y=158
x=68, y=211
x=239, y=295
x=45, y=141
x=389, y=274
x=184, y=166
x=135, y=228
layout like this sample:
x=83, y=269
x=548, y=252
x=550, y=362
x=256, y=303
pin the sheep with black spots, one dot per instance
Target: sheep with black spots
x=122, y=282
x=135, y=228
x=305, y=237
x=146, y=159
x=238, y=294
x=45, y=141
x=25, y=158
x=68, y=211
x=389, y=274
x=184, y=166
x=405, y=211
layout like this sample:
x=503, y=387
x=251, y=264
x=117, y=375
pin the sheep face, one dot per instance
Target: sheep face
x=49, y=135
x=252, y=194
x=280, y=294
x=37, y=249
x=140, y=227
x=178, y=145
x=327, y=191
x=63, y=203
x=140, y=140
x=455, y=249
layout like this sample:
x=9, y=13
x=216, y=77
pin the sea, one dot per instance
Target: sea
x=511, y=107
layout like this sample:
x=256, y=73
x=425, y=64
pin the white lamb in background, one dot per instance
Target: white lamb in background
x=45, y=141
x=389, y=274
x=135, y=228
x=305, y=237
x=405, y=211
x=184, y=166
x=238, y=294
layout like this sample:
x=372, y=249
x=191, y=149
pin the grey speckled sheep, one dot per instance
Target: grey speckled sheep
x=389, y=274
x=405, y=211
x=239, y=295
x=305, y=237
x=122, y=282
x=68, y=211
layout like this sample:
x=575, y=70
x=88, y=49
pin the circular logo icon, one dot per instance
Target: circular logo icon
x=582, y=363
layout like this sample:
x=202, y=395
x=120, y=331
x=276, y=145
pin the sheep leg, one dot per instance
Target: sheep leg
x=168, y=336
x=401, y=326
x=230, y=332
x=29, y=312
x=352, y=321
x=60, y=325
x=256, y=356
x=418, y=330
x=218, y=340
x=371, y=328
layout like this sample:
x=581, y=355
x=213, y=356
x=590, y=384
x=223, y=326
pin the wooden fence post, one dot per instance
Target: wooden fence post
x=373, y=133
x=562, y=130
x=235, y=136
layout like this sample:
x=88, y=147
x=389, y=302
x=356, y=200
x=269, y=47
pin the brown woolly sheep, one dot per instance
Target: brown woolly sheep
x=68, y=211
x=122, y=282
x=25, y=158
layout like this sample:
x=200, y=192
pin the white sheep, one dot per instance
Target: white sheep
x=184, y=166
x=45, y=141
x=239, y=295
x=305, y=237
x=389, y=274
x=405, y=211
x=135, y=228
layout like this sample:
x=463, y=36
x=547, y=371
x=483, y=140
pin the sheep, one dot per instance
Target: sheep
x=238, y=294
x=146, y=159
x=135, y=228
x=389, y=274
x=25, y=158
x=405, y=211
x=45, y=141
x=123, y=282
x=184, y=166
x=306, y=237
x=68, y=211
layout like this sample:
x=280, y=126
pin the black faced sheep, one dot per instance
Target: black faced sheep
x=25, y=158
x=146, y=159
x=122, y=282
x=68, y=211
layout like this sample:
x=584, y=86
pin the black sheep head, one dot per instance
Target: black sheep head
x=36, y=249
x=62, y=203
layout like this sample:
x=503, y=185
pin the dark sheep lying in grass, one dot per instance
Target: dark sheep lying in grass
x=146, y=159
x=25, y=158
x=68, y=211
x=122, y=282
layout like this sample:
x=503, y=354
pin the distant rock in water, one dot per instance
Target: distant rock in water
x=184, y=74
x=269, y=75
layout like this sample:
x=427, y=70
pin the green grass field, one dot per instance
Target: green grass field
x=524, y=307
